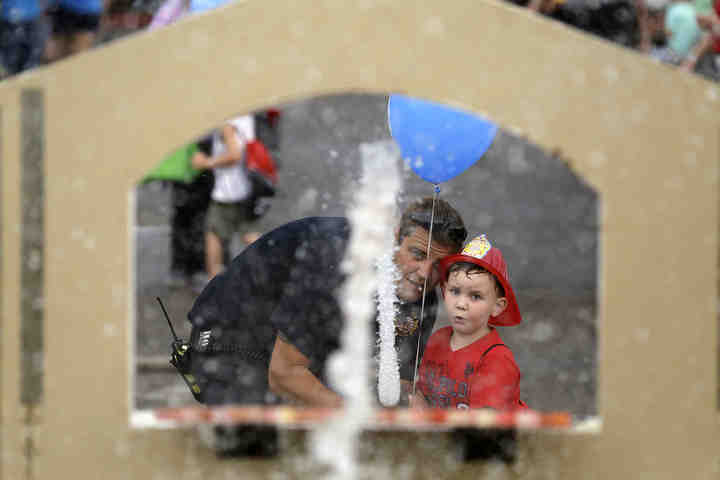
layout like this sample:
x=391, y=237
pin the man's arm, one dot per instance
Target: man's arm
x=200, y=161
x=418, y=400
x=233, y=152
x=409, y=399
x=234, y=147
x=290, y=377
x=643, y=22
x=702, y=46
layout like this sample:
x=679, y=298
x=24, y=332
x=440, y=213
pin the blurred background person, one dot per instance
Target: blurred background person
x=231, y=199
x=75, y=25
x=190, y=201
x=169, y=12
x=708, y=64
x=23, y=34
x=674, y=34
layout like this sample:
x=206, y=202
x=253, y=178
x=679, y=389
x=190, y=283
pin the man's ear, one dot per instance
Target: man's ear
x=500, y=306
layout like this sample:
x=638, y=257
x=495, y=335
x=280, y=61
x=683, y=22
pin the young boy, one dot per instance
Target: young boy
x=466, y=365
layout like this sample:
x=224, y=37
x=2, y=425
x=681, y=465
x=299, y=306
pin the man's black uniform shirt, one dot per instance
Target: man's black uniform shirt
x=287, y=281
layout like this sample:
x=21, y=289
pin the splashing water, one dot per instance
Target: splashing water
x=388, y=367
x=336, y=442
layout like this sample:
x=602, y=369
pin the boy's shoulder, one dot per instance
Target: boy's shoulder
x=496, y=354
x=439, y=342
x=487, y=342
x=442, y=334
x=490, y=348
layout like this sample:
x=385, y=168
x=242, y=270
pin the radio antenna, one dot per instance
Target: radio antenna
x=168, y=319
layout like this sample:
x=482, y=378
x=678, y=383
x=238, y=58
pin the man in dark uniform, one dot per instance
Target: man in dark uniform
x=264, y=328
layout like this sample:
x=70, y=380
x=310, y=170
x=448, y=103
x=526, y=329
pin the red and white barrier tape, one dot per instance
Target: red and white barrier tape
x=399, y=418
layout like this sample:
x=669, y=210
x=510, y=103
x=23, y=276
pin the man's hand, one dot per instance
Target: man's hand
x=418, y=401
x=405, y=391
x=235, y=148
x=200, y=161
x=407, y=398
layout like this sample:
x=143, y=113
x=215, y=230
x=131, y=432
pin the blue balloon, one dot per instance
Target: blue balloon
x=437, y=141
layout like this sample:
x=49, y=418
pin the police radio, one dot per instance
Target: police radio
x=180, y=358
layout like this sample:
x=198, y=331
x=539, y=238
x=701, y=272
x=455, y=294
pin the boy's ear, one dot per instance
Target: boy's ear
x=397, y=235
x=500, y=306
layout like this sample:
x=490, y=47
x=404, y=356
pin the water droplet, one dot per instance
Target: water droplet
x=641, y=335
x=579, y=77
x=598, y=159
x=118, y=295
x=122, y=449
x=89, y=243
x=78, y=184
x=297, y=29
x=330, y=117
x=611, y=74
x=696, y=141
x=517, y=163
x=250, y=65
x=313, y=74
x=542, y=332
x=675, y=183
x=690, y=159
x=307, y=200
x=38, y=303
x=712, y=94
x=434, y=26
x=109, y=330
x=34, y=260
x=639, y=112
x=211, y=365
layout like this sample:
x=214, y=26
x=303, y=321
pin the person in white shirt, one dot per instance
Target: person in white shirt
x=230, y=199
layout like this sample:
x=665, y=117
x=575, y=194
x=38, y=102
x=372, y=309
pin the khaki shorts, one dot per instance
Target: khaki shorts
x=225, y=219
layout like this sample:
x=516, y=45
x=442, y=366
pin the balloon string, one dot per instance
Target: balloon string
x=422, y=305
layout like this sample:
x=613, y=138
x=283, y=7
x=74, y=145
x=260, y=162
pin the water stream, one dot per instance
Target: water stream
x=349, y=370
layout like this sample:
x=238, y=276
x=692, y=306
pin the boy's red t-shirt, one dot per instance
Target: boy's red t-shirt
x=467, y=379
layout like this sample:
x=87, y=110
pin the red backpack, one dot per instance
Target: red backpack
x=262, y=171
x=259, y=160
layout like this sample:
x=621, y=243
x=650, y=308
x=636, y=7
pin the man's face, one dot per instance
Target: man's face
x=414, y=265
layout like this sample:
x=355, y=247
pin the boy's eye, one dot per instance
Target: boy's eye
x=419, y=255
x=477, y=297
x=454, y=290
